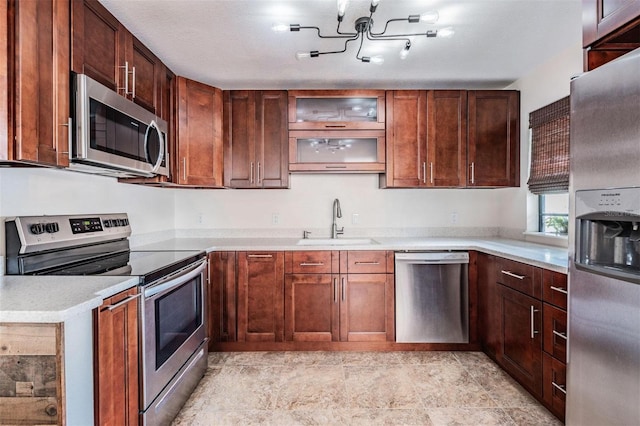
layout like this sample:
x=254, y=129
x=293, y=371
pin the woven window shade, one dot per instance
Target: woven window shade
x=550, y=148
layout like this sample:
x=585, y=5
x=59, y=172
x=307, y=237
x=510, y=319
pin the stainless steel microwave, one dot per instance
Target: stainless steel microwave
x=114, y=136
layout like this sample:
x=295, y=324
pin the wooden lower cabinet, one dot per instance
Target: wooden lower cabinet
x=116, y=363
x=367, y=307
x=31, y=359
x=554, y=377
x=260, y=281
x=312, y=307
x=488, y=312
x=521, y=327
x=222, y=297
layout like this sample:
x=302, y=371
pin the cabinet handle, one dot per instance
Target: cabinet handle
x=560, y=335
x=473, y=173
x=335, y=167
x=333, y=126
x=312, y=264
x=533, y=328
x=184, y=169
x=559, y=290
x=125, y=89
x=366, y=263
x=343, y=290
x=133, y=82
x=122, y=302
x=511, y=274
x=431, y=172
x=259, y=180
x=260, y=256
x=335, y=290
x=561, y=388
x=424, y=172
x=251, y=173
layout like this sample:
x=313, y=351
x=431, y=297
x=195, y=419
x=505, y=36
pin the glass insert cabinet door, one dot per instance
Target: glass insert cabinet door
x=336, y=151
x=336, y=109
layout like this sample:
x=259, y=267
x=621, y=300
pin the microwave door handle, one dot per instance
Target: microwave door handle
x=158, y=162
x=174, y=281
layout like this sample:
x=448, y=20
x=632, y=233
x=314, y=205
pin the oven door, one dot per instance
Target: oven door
x=173, y=326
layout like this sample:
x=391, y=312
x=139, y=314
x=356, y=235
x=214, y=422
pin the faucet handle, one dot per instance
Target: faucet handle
x=340, y=231
x=305, y=234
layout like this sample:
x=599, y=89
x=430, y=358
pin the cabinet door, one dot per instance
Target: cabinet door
x=98, y=41
x=488, y=306
x=239, y=139
x=312, y=307
x=146, y=73
x=494, y=138
x=222, y=297
x=521, y=326
x=272, y=170
x=555, y=331
x=602, y=17
x=260, y=296
x=199, y=134
x=554, y=385
x=366, y=307
x=406, y=136
x=117, y=360
x=446, y=138
x=42, y=108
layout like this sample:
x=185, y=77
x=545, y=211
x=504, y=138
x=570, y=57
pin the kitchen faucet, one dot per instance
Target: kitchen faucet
x=337, y=212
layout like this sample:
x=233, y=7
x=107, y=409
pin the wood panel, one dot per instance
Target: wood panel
x=31, y=390
x=554, y=288
x=222, y=297
x=239, y=138
x=272, y=133
x=603, y=17
x=554, y=385
x=555, y=332
x=494, y=138
x=367, y=307
x=260, y=296
x=311, y=307
x=489, y=315
x=146, y=78
x=199, y=134
x=42, y=106
x=365, y=261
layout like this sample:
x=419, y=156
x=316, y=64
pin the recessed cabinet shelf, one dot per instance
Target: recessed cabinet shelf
x=354, y=151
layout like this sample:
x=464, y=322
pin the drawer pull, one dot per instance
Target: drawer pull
x=260, y=256
x=560, y=335
x=559, y=290
x=533, y=328
x=367, y=263
x=561, y=388
x=312, y=264
x=511, y=274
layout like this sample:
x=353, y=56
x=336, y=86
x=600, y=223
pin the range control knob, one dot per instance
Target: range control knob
x=52, y=227
x=37, y=228
x=107, y=223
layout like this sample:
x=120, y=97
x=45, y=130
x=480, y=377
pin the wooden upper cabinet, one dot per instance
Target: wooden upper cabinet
x=256, y=139
x=494, y=138
x=603, y=17
x=107, y=52
x=41, y=76
x=198, y=134
x=426, y=138
x=336, y=110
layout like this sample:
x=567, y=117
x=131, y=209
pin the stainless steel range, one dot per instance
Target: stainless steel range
x=172, y=284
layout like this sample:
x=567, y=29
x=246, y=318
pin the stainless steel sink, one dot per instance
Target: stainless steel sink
x=336, y=242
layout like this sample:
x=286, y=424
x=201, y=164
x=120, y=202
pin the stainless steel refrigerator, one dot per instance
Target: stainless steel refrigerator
x=603, y=369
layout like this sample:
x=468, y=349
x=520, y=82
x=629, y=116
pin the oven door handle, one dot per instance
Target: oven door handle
x=175, y=280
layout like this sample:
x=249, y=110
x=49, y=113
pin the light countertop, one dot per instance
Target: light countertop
x=50, y=299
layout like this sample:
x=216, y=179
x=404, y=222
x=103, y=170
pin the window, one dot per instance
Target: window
x=553, y=213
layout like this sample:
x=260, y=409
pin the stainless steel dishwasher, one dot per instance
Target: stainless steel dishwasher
x=432, y=297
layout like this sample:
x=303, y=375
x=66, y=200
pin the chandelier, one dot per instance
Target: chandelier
x=364, y=30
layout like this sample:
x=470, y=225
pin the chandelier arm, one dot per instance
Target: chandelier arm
x=359, y=49
x=392, y=37
x=325, y=36
x=386, y=25
x=346, y=42
x=338, y=31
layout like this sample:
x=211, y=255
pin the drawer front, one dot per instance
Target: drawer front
x=519, y=276
x=554, y=385
x=554, y=288
x=555, y=332
x=366, y=262
x=311, y=262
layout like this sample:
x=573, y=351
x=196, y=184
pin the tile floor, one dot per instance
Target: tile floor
x=359, y=388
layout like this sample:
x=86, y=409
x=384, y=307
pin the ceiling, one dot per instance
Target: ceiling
x=230, y=44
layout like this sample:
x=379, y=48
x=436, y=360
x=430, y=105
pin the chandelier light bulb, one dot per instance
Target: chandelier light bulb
x=430, y=17
x=378, y=60
x=446, y=32
x=303, y=55
x=405, y=51
x=375, y=2
x=342, y=7
x=280, y=28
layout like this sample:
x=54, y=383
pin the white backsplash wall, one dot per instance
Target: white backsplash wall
x=39, y=191
x=308, y=205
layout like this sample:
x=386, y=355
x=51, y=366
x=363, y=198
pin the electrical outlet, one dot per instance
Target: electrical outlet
x=200, y=218
x=275, y=218
x=355, y=219
x=454, y=218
